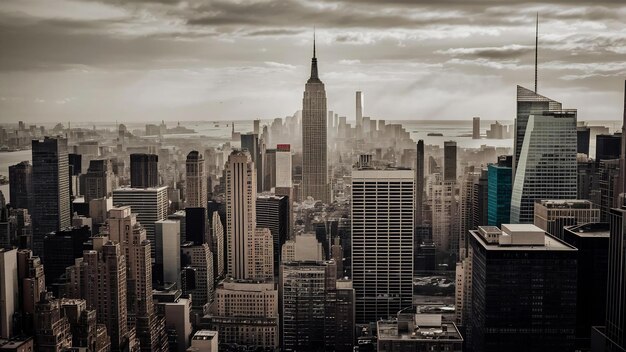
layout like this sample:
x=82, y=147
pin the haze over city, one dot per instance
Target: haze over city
x=68, y=60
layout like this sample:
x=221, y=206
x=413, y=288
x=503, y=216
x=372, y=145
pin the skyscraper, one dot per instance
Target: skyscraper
x=314, y=143
x=51, y=188
x=272, y=212
x=144, y=171
x=499, y=183
x=359, y=110
x=523, y=295
x=528, y=103
x=476, y=128
x=449, y=161
x=382, y=241
x=547, y=167
x=552, y=215
x=98, y=181
x=8, y=291
x=250, y=253
x=20, y=185
x=195, y=181
x=419, y=183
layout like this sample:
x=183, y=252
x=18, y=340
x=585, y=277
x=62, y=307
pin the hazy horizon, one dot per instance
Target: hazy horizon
x=152, y=60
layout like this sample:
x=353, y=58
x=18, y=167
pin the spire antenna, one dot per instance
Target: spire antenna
x=314, y=41
x=536, y=47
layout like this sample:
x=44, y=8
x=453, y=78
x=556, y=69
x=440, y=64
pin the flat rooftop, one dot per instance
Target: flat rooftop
x=591, y=229
x=388, y=330
x=549, y=243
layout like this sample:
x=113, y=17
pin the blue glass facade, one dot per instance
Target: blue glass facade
x=499, y=194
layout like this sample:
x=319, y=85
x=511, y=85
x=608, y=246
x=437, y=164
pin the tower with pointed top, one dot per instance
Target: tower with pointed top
x=314, y=138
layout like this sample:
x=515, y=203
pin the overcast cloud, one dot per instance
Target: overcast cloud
x=143, y=60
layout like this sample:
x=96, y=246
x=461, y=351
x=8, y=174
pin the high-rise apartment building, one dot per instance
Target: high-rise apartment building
x=21, y=185
x=547, y=167
x=52, y=328
x=199, y=259
x=195, y=181
x=382, y=241
x=98, y=182
x=144, y=170
x=449, y=161
x=100, y=278
x=552, y=215
x=314, y=142
x=535, y=311
x=51, y=211
x=499, y=191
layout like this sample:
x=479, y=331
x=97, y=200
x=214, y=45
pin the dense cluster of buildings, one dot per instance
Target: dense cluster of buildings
x=307, y=234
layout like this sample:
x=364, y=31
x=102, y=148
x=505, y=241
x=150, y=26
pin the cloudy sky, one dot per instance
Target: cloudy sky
x=146, y=60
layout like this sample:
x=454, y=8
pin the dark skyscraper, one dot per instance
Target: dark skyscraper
x=608, y=146
x=419, y=183
x=144, y=171
x=314, y=143
x=449, y=161
x=97, y=180
x=272, y=212
x=499, y=194
x=51, y=189
x=20, y=185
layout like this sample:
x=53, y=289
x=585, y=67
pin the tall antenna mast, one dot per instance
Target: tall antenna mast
x=536, y=47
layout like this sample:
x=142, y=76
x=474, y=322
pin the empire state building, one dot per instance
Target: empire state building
x=314, y=143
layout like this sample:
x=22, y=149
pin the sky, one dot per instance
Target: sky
x=150, y=60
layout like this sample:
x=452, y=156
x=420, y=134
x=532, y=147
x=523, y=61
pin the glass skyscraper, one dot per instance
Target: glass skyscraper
x=547, y=167
x=500, y=182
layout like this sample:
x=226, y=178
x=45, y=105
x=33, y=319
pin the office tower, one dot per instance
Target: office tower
x=545, y=273
x=62, y=248
x=449, y=161
x=196, y=225
x=552, y=215
x=317, y=310
x=52, y=329
x=256, y=124
x=382, y=241
x=250, y=142
x=499, y=182
x=167, y=260
x=336, y=254
x=100, y=278
x=419, y=183
x=480, y=199
x=124, y=228
x=607, y=146
x=547, y=163
x=177, y=313
x=21, y=185
x=476, y=128
x=51, y=210
x=199, y=259
x=75, y=163
x=467, y=190
x=592, y=242
x=144, y=170
x=302, y=290
x=269, y=177
x=314, y=143
x=217, y=246
x=196, y=181
x=304, y=247
x=245, y=313
x=359, y=109
x=9, y=297
x=528, y=103
x=148, y=204
x=444, y=207
x=85, y=331
x=583, y=136
x=418, y=332
x=272, y=212
x=99, y=180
